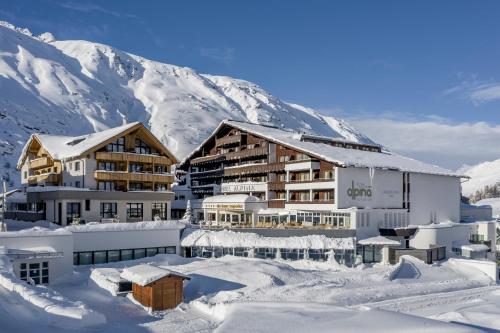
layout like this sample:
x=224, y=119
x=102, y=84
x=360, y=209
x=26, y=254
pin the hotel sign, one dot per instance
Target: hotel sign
x=243, y=187
x=223, y=206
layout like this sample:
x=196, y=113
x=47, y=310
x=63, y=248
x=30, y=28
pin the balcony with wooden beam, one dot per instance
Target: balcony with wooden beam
x=132, y=157
x=227, y=140
x=102, y=175
x=41, y=162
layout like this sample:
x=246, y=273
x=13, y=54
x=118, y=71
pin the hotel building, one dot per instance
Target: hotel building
x=277, y=182
x=120, y=174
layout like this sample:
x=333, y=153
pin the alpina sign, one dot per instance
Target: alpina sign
x=359, y=191
x=235, y=188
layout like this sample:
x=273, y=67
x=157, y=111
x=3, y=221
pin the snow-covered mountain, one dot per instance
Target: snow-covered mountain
x=482, y=174
x=76, y=87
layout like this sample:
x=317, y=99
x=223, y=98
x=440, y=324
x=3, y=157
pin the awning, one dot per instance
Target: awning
x=378, y=240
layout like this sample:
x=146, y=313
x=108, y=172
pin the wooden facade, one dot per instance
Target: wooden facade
x=162, y=294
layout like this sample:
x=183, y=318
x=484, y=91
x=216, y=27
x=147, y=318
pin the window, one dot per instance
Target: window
x=77, y=166
x=159, y=209
x=72, y=211
x=134, y=210
x=162, y=187
x=329, y=174
x=34, y=272
x=151, y=252
x=127, y=254
x=85, y=258
x=108, y=210
x=141, y=147
x=133, y=186
x=135, y=167
x=113, y=256
x=77, y=183
x=100, y=257
x=116, y=146
x=161, y=169
x=106, y=186
x=107, y=166
x=87, y=205
x=139, y=253
x=25, y=174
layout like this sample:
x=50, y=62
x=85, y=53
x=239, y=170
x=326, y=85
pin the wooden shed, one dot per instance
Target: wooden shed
x=155, y=287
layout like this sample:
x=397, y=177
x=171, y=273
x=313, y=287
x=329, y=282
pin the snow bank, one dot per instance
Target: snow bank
x=106, y=278
x=36, y=231
x=228, y=238
x=312, y=317
x=146, y=225
x=59, y=311
x=490, y=268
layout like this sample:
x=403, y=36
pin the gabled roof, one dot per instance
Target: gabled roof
x=62, y=147
x=343, y=157
x=145, y=274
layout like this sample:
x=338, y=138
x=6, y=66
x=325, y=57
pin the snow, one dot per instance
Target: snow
x=106, y=278
x=60, y=312
x=475, y=247
x=379, y=240
x=293, y=317
x=70, y=88
x=493, y=202
x=145, y=225
x=223, y=291
x=145, y=274
x=481, y=175
x=228, y=238
x=35, y=232
x=231, y=198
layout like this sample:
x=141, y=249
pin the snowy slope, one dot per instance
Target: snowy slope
x=482, y=174
x=77, y=87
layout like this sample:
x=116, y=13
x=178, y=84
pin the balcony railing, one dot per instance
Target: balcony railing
x=276, y=186
x=230, y=139
x=259, y=151
x=51, y=178
x=41, y=162
x=132, y=157
x=132, y=176
x=254, y=169
x=206, y=159
x=276, y=203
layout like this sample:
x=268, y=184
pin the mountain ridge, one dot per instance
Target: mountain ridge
x=78, y=87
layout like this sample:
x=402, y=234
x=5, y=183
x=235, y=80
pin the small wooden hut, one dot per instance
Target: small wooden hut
x=154, y=287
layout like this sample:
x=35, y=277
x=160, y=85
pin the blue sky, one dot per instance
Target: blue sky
x=392, y=68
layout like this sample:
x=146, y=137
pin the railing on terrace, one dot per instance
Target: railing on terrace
x=228, y=140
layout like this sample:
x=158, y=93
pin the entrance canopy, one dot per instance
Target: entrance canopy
x=379, y=240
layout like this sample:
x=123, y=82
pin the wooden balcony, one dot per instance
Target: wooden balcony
x=276, y=186
x=227, y=140
x=133, y=177
x=207, y=159
x=276, y=203
x=259, y=151
x=254, y=169
x=132, y=157
x=50, y=178
x=41, y=162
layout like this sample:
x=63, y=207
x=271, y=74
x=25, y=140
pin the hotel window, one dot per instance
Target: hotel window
x=107, y=166
x=161, y=169
x=284, y=158
x=159, y=209
x=77, y=183
x=134, y=210
x=108, y=210
x=72, y=211
x=329, y=174
x=135, y=186
x=25, y=174
x=141, y=147
x=135, y=167
x=304, y=196
x=106, y=186
x=161, y=187
x=301, y=157
x=77, y=166
x=116, y=146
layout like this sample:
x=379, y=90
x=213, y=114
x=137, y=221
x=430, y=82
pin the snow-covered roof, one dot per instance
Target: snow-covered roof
x=145, y=225
x=228, y=238
x=340, y=156
x=379, y=240
x=475, y=247
x=145, y=274
x=231, y=198
x=62, y=147
x=36, y=231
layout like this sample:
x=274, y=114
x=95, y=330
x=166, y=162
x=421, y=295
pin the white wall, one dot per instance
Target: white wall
x=386, y=188
x=440, y=235
x=60, y=269
x=125, y=239
x=438, y=196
